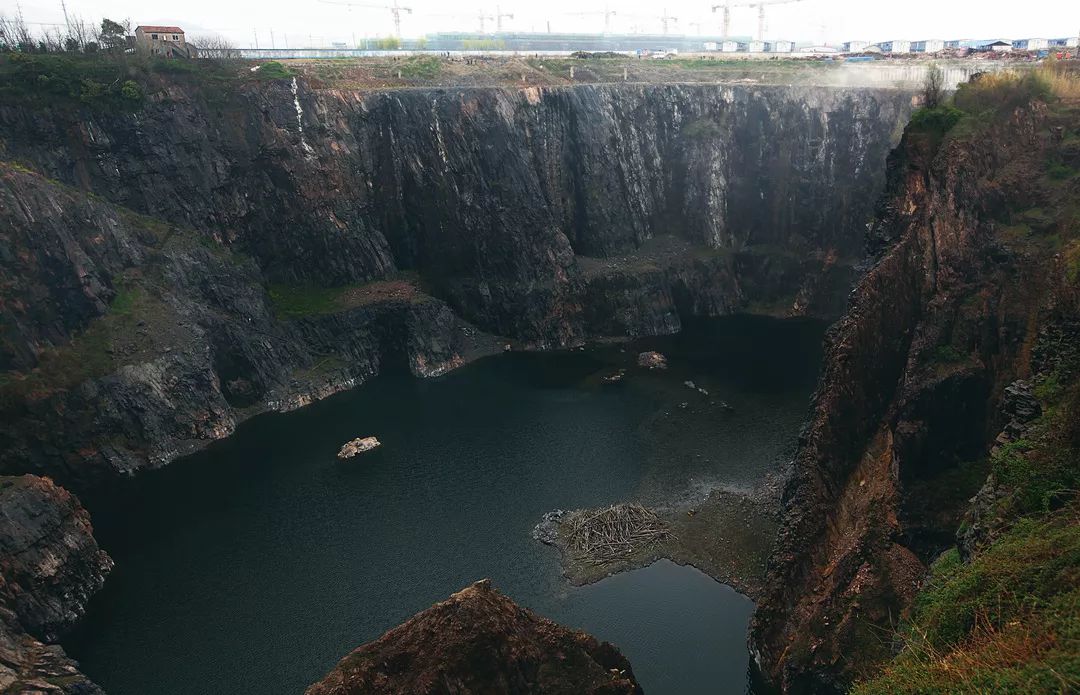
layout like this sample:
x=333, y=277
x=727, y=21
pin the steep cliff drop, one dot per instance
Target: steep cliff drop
x=50, y=566
x=479, y=641
x=223, y=247
x=973, y=286
x=186, y=262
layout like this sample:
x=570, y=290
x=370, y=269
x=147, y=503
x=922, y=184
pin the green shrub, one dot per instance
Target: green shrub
x=422, y=67
x=388, y=43
x=1007, y=622
x=131, y=91
x=939, y=120
x=947, y=354
x=69, y=80
x=294, y=301
x=273, y=71
x=1059, y=171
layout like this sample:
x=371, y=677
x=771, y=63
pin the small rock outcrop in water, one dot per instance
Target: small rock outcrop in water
x=50, y=566
x=358, y=446
x=479, y=641
x=652, y=360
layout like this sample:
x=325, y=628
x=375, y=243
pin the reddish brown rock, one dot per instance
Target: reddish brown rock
x=479, y=641
x=945, y=319
x=50, y=566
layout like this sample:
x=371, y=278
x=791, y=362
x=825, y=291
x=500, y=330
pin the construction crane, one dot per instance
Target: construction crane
x=608, y=14
x=395, y=10
x=759, y=4
x=480, y=16
x=499, y=16
x=666, y=19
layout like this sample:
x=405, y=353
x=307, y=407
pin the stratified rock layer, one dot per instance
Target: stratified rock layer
x=169, y=268
x=477, y=642
x=942, y=323
x=50, y=566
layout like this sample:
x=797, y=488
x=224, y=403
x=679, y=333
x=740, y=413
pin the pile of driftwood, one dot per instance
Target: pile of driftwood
x=609, y=534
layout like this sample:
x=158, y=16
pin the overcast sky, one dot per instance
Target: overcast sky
x=828, y=21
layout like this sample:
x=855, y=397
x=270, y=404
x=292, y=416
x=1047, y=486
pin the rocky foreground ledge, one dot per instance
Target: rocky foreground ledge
x=479, y=641
x=50, y=566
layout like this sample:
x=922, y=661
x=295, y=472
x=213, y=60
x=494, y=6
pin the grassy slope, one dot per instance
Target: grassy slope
x=1009, y=620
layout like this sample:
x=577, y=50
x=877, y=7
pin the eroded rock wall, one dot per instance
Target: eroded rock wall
x=489, y=193
x=938, y=327
x=143, y=249
x=50, y=566
x=141, y=341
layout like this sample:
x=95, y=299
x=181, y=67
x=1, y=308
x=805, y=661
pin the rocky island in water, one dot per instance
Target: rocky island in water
x=699, y=382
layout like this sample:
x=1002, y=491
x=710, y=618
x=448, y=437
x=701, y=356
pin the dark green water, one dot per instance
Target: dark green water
x=255, y=565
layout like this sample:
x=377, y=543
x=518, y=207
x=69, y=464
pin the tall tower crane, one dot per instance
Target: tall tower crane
x=499, y=16
x=759, y=4
x=482, y=17
x=667, y=19
x=608, y=14
x=395, y=10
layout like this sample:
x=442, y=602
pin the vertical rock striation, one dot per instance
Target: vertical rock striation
x=218, y=254
x=489, y=193
x=940, y=325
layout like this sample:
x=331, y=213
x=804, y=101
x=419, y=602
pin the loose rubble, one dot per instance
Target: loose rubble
x=358, y=446
x=652, y=360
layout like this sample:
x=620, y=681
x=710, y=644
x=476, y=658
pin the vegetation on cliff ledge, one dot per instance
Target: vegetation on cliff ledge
x=299, y=301
x=1001, y=613
x=1008, y=620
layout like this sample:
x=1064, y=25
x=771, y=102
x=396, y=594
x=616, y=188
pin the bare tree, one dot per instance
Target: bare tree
x=933, y=87
x=80, y=33
x=15, y=35
x=216, y=47
x=51, y=40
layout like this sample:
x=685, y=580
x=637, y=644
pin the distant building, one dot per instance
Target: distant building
x=756, y=46
x=818, y=50
x=783, y=46
x=712, y=46
x=856, y=46
x=997, y=46
x=168, y=42
x=1031, y=44
x=1070, y=42
x=729, y=46
x=895, y=47
x=930, y=46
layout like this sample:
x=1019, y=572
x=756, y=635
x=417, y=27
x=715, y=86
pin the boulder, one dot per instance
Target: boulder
x=652, y=360
x=361, y=445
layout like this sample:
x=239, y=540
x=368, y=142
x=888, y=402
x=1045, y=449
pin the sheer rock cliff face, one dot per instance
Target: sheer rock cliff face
x=941, y=324
x=479, y=641
x=50, y=566
x=547, y=216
